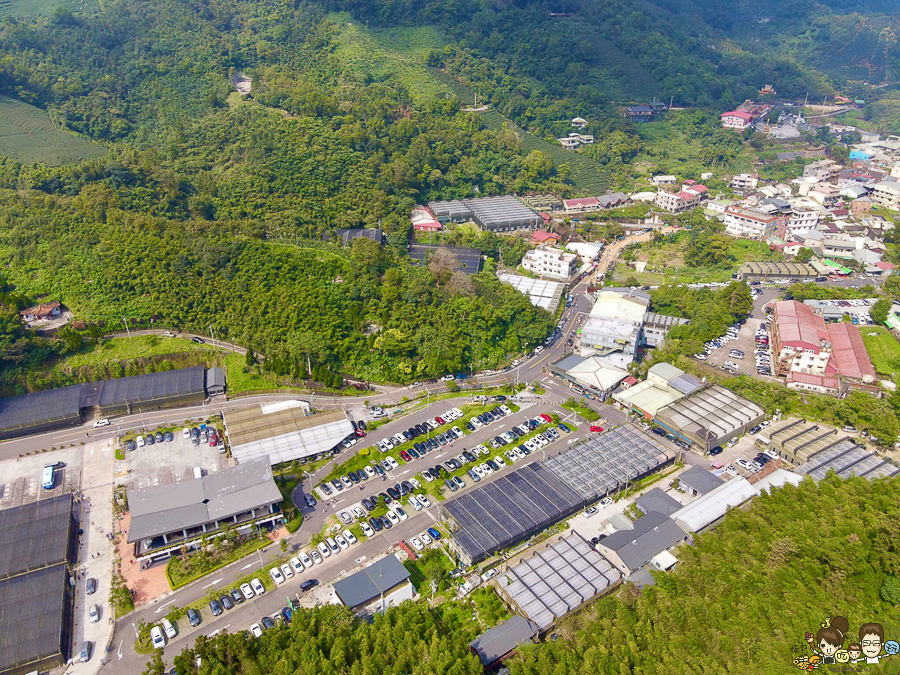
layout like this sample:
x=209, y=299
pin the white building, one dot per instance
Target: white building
x=887, y=194
x=736, y=119
x=551, y=263
x=748, y=223
x=802, y=220
x=615, y=323
x=664, y=180
x=824, y=169
x=744, y=181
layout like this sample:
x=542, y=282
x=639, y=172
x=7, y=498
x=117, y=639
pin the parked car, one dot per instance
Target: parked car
x=257, y=585
x=194, y=617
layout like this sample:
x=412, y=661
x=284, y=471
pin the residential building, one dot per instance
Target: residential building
x=540, y=237
x=385, y=583
x=800, y=339
x=657, y=326
x=861, y=176
x=423, y=220
x=664, y=180
x=887, y=194
x=802, y=219
x=639, y=113
x=612, y=200
x=574, y=140
x=744, y=181
x=838, y=247
x=630, y=550
x=825, y=195
x=43, y=312
x=688, y=198
x=697, y=481
x=579, y=123
x=736, y=119
x=551, y=263
x=748, y=223
x=824, y=169
x=586, y=251
x=861, y=205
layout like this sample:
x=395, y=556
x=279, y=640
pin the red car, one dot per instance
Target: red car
x=546, y=417
x=596, y=428
x=439, y=420
x=405, y=456
x=213, y=441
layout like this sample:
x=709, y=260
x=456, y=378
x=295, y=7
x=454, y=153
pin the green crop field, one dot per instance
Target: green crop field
x=28, y=136
x=883, y=348
x=24, y=8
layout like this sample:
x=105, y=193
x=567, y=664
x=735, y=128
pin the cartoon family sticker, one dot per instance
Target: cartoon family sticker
x=828, y=646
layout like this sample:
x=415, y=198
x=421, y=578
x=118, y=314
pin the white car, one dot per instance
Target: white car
x=425, y=538
x=314, y=554
x=101, y=423
x=256, y=630
x=485, y=469
x=392, y=462
x=276, y=575
x=94, y=617
x=350, y=537
x=342, y=542
x=499, y=460
x=457, y=412
x=506, y=409
x=747, y=466
x=247, y=591
x=287, y=571
x=297, y=565
x=370, y=471
x=772, y=453
x=393, y=518
x=358, y=512
x=412, y=501
x=423, y=500
x=257, y=586
x=477, y=423
x=345, y=517
x=531, y=445
x=401, y=513
x=479, y=471
x=416, y=544
x=185, y=433
x=416, y=484
x=324, y=550
x=367, y=529
x=428, y=477
x=606, y=501
x=700, y=357
x=156, y=635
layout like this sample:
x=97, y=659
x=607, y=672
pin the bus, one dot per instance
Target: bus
x=49, y=477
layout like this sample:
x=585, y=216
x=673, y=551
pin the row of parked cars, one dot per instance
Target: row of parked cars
x=763, y=360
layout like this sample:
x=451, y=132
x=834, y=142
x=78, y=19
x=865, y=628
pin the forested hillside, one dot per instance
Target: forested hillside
x=740, y=601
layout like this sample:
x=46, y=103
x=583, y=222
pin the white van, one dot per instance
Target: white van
x=140, y=441
x=198, y=472
x=168, y=628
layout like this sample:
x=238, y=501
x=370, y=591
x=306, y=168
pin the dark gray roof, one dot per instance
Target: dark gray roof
x=500, y=640
x=641, y=578
x=41, y=407
x=657, y=501
x=368, y=584
x=652, y=534
x=215, y=377
x=605, y=201
x=663, y=321
x=165, y=508
x=35, y=535
x=34, y=626
x=153, y=387
x=347, y=235
x=700, y=479
x=568, y=362
x=469, y=258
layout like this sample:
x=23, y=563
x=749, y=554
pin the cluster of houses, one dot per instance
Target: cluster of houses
x=576, y=138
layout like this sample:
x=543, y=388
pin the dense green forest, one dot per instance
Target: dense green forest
x=739, y=601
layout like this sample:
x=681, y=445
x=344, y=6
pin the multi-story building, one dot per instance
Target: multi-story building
x=679, y=202
x=736, y=119
x=802, y=220
x=824, y=169
x=615, y=323
x=838, y=247
x=748, y=223
x=551, y=263
x=800, y=340
x=744, y=181
x=887, y=194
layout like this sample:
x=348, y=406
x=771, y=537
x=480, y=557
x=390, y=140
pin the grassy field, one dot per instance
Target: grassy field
x=28, y=136
x=127, y=349
x=883, y=348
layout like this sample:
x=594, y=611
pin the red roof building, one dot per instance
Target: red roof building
x=736, y=119
x=423, y=220
x=542, y=237
x=850, y=356
x=582, y=204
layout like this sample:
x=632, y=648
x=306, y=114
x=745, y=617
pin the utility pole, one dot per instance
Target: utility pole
x=211, y=335
x=125, y=321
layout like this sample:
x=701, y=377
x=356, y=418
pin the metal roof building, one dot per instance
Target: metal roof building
x=557, y=580
x=699, y=481
x=589, y=372
x=168, y=515
x=382, y=577
x=709, y=416
x=37, y=551
x=629, y=550
x=500, y=641
x=544, y=294
x=284, y=434
x=762, y=271
x=657, y=500
x=607, y=462
x=453, y=210
x=508, y=510
x=503, y=214
x=712, y=506
x=144, y=392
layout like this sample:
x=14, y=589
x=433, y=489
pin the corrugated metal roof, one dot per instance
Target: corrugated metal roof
x=500, y=640
x=710, y=507
x=367, y=584
x=651, y=535
x=849, y=352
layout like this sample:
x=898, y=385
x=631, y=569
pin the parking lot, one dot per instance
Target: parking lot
x=745, y=342
x=20, y=479
x=170, y=462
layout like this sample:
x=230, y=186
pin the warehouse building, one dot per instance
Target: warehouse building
x=588, y=373
x=495, y=214
x=769, y=271
x=555, y=581
x=168, y=517
x=70, y=406
x=709, y=416
x=38, y=551
x=385, y=583
x=285, y=431
x=664, y=385
x=499, y=643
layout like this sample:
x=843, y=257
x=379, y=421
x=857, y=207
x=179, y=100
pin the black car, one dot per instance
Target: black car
x=193, y=617
x=353, y=477
x=130, y=446
x=215, y=608
x=470, y=426
x=500, y=398
x=362, y=475
x=413, y=452
x=491, y=463
x=267, y=623
x=406, y=435
x=716, y=450
x=658, y=431
x=159, y=437
x=394, y=493
x=310, y=500
x=376, y=524
x=237, y=596
x=524, y=449
x=326, y=488
x=362, y=425
x=169, y=436
x=199, y=341
x=378, y=469
x=149, y=439
x=367, y=505
x=450, y=484
x=338, y=486
x=308, y=584
x=386, y=497
x=195, y=432
x=407, y=487
x=386, y=523
x=468, y=455
x=286, y=614
x=91, y=586
x=226, y=601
